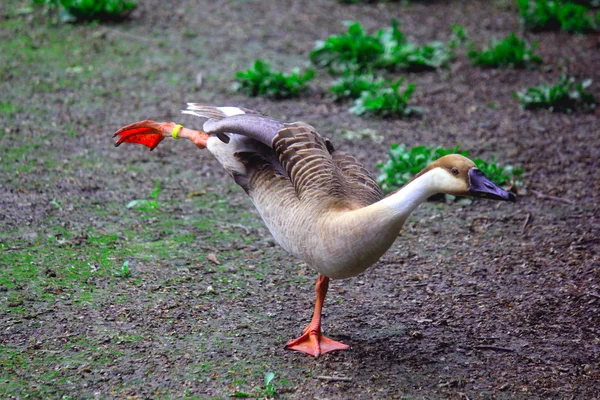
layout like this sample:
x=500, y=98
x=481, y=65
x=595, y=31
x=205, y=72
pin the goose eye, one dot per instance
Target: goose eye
x=454, y=171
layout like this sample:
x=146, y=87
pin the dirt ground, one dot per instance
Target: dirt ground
x=97, y=300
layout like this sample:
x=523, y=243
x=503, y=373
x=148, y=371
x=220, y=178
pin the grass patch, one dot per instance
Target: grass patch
x=20, y=158
x=509, y=52
x=9, y=109
x=563, y=96
x=35, y=278
x=546, y=15
x=260, y=80
x=403, y=164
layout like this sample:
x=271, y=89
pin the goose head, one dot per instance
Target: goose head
x=457, y=175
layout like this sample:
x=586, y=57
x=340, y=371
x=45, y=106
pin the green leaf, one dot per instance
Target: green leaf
x=541, y=15
x=91, y=10
x=563, y=96
x=386, y=100
x=259, y=80
x=268, y=378
x=509, y=52
x=359, y=53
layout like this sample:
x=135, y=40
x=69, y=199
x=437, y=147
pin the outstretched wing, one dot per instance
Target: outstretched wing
x=295, y=152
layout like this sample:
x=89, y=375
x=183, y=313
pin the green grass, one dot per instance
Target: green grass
x=404, y=163
x=563, y=96
x=386, y=100
x=543, y=15
x=56, y=265
x=9, y=109
x=509, y=52
x=260, y=80
x=65, y=64
x=66, y=264
x=89, y=10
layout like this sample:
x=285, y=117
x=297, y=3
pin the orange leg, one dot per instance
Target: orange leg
x=151, y=133
x=312, y=341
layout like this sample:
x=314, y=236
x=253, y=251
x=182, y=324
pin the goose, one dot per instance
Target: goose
x=320, y=204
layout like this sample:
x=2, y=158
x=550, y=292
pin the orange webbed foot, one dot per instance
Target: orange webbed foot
x=148, y=133
x=314, y=343
x=151, y=133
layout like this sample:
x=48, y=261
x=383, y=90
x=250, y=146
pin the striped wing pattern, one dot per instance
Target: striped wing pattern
x=304, y=156
x=359, y=185
x=302, y=165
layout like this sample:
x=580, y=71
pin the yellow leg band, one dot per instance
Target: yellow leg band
x=176, y=131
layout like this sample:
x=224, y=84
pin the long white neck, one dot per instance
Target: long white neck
x=362, y=236
x=405, y=200
x=387, y=216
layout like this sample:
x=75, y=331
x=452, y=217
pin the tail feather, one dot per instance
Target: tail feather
x=215, y=113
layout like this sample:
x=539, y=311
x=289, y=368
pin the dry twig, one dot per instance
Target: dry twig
x=550, y=197
x=528, y=220
x=494, y=348
x=334, y=378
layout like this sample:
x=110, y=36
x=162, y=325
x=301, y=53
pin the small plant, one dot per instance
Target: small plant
x=147, y=205
x=564, y=96
x=389, y=49
x=352, y=86
x=387, y=100
x=124, y=271
x=269, y=391
x=541, y=15
x=459, y=36
x=403, y=164
x=510, y=52
x=399, y=53
x=90, y=10
x=355, y=51
x=260, y=80
x=502, y=175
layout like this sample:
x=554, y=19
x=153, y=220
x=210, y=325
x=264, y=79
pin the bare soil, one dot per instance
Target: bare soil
x=481, y=300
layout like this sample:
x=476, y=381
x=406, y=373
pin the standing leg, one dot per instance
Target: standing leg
x=312, y=341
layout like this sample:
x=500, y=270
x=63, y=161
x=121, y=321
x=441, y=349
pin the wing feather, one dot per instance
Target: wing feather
x=293, y=156
x=304, y=156
x=360, y=186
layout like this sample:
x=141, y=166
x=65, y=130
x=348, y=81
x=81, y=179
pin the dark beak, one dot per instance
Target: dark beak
x=480, y=186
